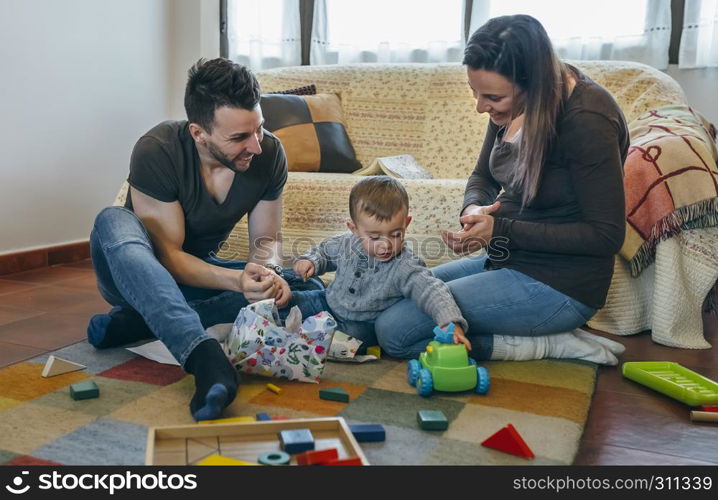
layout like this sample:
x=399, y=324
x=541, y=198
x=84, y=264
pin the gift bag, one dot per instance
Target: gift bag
x=259, y=344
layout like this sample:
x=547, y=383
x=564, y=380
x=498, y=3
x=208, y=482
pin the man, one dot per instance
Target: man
x=190, y=182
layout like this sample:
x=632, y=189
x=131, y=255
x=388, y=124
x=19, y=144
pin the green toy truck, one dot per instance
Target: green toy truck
x=446, y=366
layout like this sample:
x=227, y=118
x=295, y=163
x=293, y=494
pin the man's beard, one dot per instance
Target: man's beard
x=222, y=158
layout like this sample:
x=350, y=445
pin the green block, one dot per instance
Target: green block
x=84, y=390
x=334, y=394
x=432, y=420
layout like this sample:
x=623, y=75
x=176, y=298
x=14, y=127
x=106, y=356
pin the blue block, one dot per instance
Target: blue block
x=369, y=433
x=444, y=336
x=263, y=417
x=296, y=441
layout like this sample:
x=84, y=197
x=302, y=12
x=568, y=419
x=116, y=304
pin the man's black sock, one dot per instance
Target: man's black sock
x=121, y=326
x=215, y=380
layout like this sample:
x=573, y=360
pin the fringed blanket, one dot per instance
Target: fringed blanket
x=671, y=180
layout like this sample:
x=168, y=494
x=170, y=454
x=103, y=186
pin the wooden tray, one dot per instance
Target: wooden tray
x=188, y=444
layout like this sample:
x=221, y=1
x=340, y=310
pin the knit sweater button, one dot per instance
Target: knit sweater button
x=357, y=274
x=351, y=290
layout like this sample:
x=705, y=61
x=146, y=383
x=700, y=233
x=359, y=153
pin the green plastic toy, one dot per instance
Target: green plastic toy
x=673, y=380
x=446, y=366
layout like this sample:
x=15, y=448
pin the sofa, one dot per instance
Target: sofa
x=427, y=110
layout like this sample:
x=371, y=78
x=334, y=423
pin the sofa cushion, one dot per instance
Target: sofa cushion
x=311, y=128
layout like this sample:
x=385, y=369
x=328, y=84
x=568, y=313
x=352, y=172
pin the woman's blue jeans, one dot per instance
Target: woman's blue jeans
x=130, y=275
x=493, y=302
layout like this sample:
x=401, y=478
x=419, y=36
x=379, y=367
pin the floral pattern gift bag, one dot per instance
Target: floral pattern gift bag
x=259, y=344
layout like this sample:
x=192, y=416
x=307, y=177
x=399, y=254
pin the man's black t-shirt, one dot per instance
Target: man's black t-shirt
x=165, y=165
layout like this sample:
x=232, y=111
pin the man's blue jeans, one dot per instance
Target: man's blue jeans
x=494, y=302
x=130, y=275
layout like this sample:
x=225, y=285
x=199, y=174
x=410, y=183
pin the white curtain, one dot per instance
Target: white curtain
x=387, y=31
x=699, y=39
x=264, y=33
x=633, y=30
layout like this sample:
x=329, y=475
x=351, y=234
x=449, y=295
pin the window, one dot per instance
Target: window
x=637, y=30
x=387, y=31
x=264, y=33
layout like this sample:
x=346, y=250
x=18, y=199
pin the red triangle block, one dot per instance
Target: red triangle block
x=510, y=441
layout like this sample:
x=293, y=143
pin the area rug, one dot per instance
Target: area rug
x=547, y=402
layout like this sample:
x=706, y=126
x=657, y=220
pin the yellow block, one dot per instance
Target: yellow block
x=274, y=388
x=233, y=420
x=220, y=460
x=374, y=350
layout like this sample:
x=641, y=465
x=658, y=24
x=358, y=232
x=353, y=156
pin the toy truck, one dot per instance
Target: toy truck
x=446, y=366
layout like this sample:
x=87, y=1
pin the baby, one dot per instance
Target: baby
x=374, y=268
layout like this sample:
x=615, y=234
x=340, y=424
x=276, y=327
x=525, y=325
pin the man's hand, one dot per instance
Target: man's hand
x=257, y=283
x=460, y=338
x=304, y=268
x=283, y=294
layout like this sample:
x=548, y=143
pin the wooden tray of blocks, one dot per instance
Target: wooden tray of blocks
x=189, y=444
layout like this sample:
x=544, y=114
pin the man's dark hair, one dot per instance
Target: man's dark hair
x=216, y=83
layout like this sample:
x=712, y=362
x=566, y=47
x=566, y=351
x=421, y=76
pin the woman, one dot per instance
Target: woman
x=555, y=145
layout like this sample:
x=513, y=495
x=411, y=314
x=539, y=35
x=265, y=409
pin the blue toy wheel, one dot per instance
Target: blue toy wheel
x=425, y=384
x=472, y=361
x=412, y=372
x=482, y=380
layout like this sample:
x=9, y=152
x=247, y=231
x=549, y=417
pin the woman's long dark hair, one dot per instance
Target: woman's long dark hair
x=518, y=48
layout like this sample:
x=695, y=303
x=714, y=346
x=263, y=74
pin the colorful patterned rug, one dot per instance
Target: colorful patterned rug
x=547, y=402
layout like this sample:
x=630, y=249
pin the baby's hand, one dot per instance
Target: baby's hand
x=459, y=337
x=304, y=268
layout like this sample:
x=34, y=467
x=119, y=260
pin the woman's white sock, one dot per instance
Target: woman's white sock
x=570, y=345
x=615, y=347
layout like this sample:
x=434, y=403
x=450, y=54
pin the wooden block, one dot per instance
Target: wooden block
x=296, y=440
x=84, y=390
x=334, y=394
x=220, y=460
x=346, y=461
x=274, y=458
x=57, y=366
x=374, y=350
x=510, y=441
x=232, y=420
x=318, y=457
x=432, y=420
x=704, y=416
x=274, y=388
x=370, y=433
x=263, y=417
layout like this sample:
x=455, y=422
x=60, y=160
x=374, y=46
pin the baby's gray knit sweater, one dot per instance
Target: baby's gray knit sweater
x=363, y=287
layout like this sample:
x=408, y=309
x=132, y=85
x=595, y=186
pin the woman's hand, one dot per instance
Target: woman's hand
x=477, y=236
x=479, y=210
x=477, y=227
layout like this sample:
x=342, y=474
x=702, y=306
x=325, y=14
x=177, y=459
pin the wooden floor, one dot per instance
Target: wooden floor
x=628, y=424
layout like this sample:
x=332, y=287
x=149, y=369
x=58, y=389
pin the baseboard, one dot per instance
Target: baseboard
x=44, y=257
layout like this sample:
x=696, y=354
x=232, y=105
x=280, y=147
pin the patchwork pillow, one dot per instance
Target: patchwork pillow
x=311, y=128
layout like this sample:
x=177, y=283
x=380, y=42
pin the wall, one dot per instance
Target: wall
x=81, y=80
x=701, y=87
x=194, y=33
